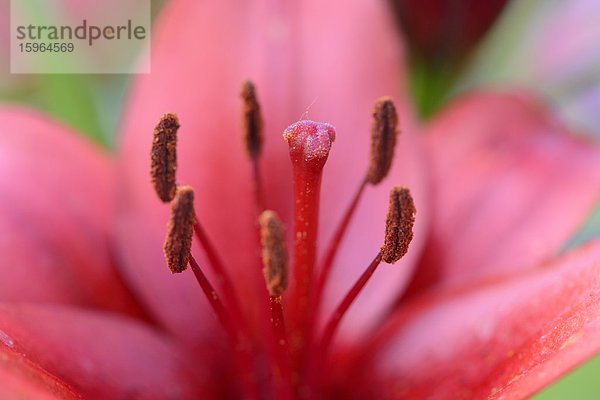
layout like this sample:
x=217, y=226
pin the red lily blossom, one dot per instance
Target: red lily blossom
x=442, y=31
x=484, y=304
x=440, y=36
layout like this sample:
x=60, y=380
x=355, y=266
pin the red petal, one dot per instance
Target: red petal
x=297, y=54
x=24, y=380
x=102, y=356
x=445, y=31
x=503, y=340
x=55, y=192
x=511, y=187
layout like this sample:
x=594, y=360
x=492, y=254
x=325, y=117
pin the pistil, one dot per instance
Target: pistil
x=309, y=144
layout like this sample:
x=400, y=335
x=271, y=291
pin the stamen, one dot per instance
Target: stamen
x=339, y=312
x=274, y=253
x=399, y=225
x=242, y=356
x=180, y=229
x=233, y=327
x=383, y=139
x=231, y=318
x=178, y=244
x=252, y=123
x=213, y=299
x=220, y=273
x=335, y=244
x=398, y=234
x=251, y=120
x=164, y=157
x=275, y=261
x=384, y=133
x=309, y=143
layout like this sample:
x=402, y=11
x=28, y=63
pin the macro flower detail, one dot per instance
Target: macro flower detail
x=298, y=350
x=486, y=303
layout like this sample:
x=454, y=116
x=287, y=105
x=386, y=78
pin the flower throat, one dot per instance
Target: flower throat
x=297, y=350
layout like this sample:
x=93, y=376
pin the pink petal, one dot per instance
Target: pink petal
x=564, y=41
x=503, y=340
x=100, y=355
x=55, y=192
x=511, y=187
x=297, y=54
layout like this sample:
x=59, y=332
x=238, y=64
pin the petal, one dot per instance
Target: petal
x=55, y=192
x=24, y=380
x=100, y=355
x=297, y=55
x=511, y=186
x=560, y=58
x=506, y=339
x=440, y=32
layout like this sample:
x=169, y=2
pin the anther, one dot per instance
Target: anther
x=384, y=132
x=274, y=253
x=251, y=120
x=398, y=225
x=252, y=137
x=164, y=157
x=178, y=242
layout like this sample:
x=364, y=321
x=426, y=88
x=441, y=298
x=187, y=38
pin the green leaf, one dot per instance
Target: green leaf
x=581, y=384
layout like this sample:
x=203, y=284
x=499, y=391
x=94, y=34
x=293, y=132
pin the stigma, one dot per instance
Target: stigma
x=310, y=142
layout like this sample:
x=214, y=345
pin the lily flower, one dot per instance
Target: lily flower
x=485, y=303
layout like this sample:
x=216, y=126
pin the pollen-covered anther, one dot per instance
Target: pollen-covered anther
x=178, y=242
x=384, y=132
x=163, y=165
x=252, y=122
x=274, y=252
x=399, y=225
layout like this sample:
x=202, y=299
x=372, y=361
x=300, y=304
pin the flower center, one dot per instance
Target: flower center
x=298, y=351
